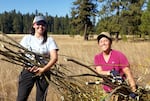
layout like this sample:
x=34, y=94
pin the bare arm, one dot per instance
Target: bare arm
x=53, y=60
x=130, y=78
x=100, y=71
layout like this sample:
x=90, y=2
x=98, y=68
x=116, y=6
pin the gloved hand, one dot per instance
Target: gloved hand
x=114, y=73
x=116, y=76
x=133, y=95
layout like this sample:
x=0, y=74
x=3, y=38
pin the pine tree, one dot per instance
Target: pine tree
x=82, y=14
x=145, y=20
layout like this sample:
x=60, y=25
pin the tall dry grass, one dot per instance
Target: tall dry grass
x=84, y=51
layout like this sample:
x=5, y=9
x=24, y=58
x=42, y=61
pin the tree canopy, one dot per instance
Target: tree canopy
x=119, y=17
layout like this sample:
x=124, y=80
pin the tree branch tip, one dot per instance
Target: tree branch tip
x=2, y=45
x=65, y=59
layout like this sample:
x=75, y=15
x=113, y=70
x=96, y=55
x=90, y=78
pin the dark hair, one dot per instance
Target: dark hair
x=100, y=36
x=44, y=35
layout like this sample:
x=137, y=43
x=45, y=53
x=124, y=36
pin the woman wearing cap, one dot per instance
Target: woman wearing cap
x=38, y=42
x=112, y=62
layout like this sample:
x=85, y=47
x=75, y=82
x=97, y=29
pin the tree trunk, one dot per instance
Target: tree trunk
x=85, y=32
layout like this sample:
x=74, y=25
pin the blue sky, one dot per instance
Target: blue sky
x=53, y=7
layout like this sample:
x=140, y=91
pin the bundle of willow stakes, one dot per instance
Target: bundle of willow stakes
x=67, y=86
x=71, y=88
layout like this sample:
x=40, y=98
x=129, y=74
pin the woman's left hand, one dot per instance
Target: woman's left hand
x=39, y=71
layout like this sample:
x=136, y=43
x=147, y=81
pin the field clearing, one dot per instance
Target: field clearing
x=138, y=54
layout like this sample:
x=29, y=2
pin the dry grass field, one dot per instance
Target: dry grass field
x=138, y=54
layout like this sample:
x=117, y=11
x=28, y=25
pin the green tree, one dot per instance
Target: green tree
x=12, y=22
x=121, y=16
x=18, y=23
x=110, y=13
x=82, y=14
x=66, y=25
x=145, y=19
x=27, y=23
x=6, y=23
x=50, y=22
x=133, y=15
x=56, y=25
